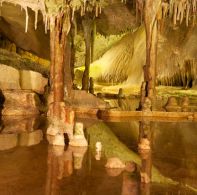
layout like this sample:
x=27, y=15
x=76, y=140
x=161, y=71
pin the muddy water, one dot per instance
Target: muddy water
x=28, y=165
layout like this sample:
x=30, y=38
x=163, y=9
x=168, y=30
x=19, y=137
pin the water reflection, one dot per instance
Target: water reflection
x=43, y=169
x=20, y=131
x=145, y=150
x=61, y=164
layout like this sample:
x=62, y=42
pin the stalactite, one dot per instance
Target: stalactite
x=100, y=10
x=96, y=11
x=73, y=13
x=194, y=5
x=45, y=24
x=36, y=19
x=81, y=12
x=139, y=9
x=187, y=13
x=84, y=2
x=27, y=19
x=182, y=8
x=165, y=9
x=175, y=10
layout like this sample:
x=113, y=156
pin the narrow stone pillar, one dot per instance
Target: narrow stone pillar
x=87, y=26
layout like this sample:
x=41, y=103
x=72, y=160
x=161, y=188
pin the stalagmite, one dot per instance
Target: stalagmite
x=78, y=138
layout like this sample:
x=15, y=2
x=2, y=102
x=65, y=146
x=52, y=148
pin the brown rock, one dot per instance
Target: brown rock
x=83, y=99
x=20, y=102
x=33, y=81
x=9, y=77
x=172, y=105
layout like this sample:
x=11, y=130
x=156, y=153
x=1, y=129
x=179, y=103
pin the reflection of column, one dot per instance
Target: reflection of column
x=129, y=185
x=146, y=166
x=60, y=164
x=145, y=189
x=144, y=146
x=55, y=155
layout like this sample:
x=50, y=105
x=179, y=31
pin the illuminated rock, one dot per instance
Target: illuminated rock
x=33, y=81
x=78, y=137
x=20, y=102
x=9, y=78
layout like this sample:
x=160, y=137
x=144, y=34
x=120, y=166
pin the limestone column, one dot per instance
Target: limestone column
x=150, y=13
x=87, y=27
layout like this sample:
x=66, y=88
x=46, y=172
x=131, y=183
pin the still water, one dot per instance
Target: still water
x=28, y=165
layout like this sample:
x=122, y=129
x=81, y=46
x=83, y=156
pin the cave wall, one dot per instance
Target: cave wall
x=124, y=61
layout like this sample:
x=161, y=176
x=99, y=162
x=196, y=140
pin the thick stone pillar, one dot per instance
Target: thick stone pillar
x=60, y=26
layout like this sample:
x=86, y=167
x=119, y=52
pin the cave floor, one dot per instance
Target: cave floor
x=161, y=91
x=30, y=166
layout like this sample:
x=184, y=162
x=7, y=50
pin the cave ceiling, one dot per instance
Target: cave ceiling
x=114, y=19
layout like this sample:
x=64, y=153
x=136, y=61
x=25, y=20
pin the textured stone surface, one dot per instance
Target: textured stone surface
x=9, y=77
x=20, y=102
x=83, y=99
x=33, y=80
